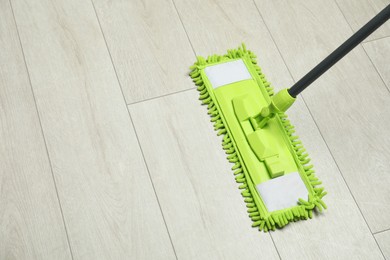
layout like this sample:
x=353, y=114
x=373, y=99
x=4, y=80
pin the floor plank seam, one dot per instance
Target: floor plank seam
x=42, y=133
x=151, y=181
x=273, y=242
x=382, y=231
x=184, y=28
x=376, y=39
x=376, y=69
x=135, y=131
x=161, y=96
x=322, y=137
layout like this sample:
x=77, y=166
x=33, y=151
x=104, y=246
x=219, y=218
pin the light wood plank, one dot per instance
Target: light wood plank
x=358, y=13
x=379, y=53
x=148, y=46
x=349, y=103
x=108, y=201
x=383, y=239
x=31, y=225
x=346, y=232
x=203, y=207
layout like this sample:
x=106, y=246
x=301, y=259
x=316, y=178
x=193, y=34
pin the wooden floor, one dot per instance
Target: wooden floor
x=106, y=153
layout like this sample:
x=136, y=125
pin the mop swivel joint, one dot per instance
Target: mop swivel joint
x=279, y=103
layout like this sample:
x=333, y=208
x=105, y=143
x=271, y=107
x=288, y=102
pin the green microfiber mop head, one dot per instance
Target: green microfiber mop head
x=270, y=163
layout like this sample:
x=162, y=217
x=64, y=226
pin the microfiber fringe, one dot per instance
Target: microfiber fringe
x=276, y=219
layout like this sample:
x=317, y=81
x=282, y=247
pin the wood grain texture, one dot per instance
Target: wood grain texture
x=358, y=13
x=109, y=205
x=383, y=239
x=349, y=103
x=108, y=201
x=202, y=205
x=379, y=53
x=148, y=44
x=31, y=225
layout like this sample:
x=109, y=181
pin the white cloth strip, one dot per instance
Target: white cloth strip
x=227, y=73
x=282, y=192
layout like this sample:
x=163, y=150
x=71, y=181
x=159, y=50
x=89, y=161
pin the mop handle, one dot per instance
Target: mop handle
x=340, y=52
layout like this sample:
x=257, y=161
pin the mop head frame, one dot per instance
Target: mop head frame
x=271, y=165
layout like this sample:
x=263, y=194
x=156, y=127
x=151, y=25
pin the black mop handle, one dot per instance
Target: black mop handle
x=340, y=52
